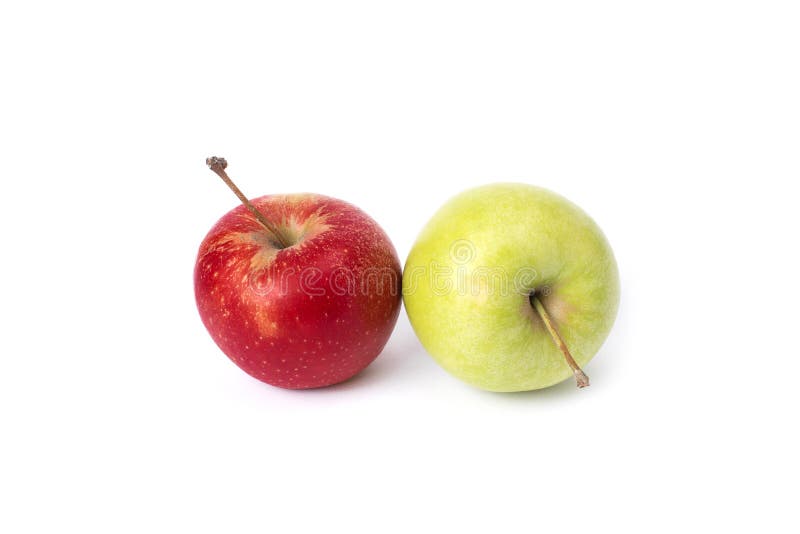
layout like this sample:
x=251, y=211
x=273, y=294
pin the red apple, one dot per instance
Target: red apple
x=302, y=291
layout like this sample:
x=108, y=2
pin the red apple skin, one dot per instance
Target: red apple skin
x=306, y=316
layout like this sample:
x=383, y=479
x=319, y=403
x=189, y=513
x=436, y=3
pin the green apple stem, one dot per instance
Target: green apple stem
x=580, y=376
x=218, y=165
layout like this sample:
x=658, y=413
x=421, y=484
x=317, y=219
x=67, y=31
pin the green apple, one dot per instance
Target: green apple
x=511, y=287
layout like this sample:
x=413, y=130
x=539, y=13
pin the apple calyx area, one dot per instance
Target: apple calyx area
x=218, y=165
x=580, y=377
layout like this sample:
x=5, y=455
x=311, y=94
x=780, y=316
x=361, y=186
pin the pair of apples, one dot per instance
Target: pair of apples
x=509, y=287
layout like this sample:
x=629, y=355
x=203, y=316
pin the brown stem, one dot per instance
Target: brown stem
x=580, y=376
x=218, y=166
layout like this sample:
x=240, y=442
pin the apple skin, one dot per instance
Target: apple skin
x=306, y=316
x=493, y=338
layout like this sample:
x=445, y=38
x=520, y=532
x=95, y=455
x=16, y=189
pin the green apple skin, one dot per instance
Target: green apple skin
x=485, y=331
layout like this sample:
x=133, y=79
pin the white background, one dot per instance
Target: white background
x=676, y=125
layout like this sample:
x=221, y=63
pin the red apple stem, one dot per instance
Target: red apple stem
x=580, y=377
x=218, y=165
